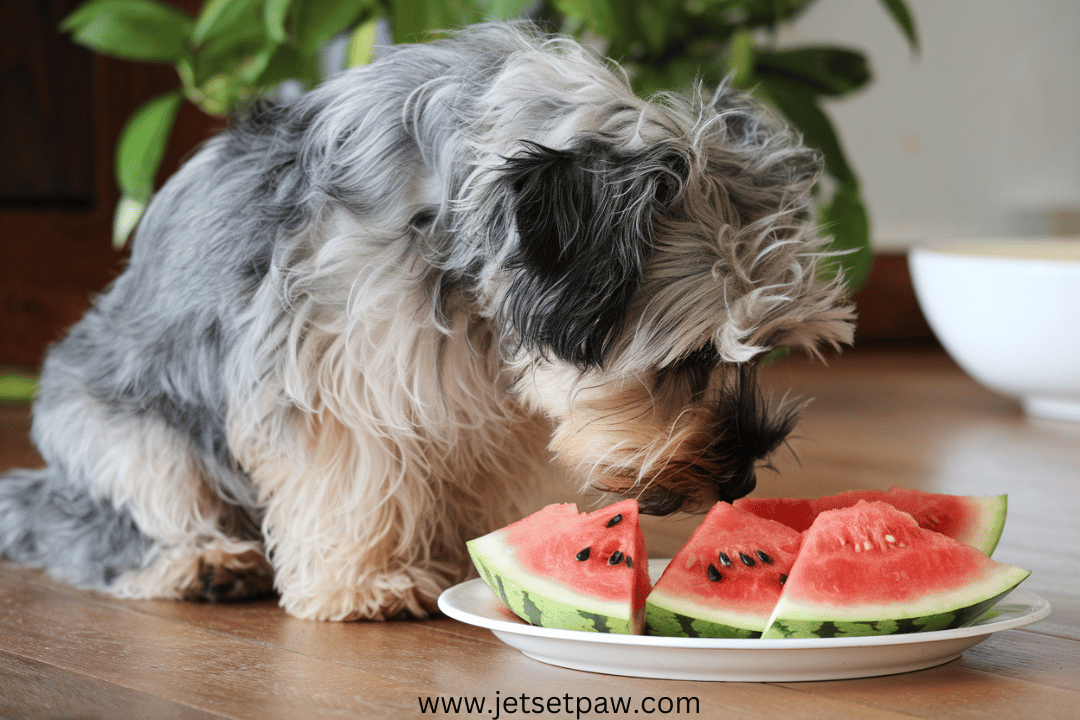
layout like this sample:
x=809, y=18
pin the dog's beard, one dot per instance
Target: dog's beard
x=737, y=433
x=680, y=439
x=713, y=451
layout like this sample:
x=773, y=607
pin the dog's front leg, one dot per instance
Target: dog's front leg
x=350, y=524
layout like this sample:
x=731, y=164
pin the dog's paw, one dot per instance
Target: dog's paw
x=386, y=596
x=223, y=576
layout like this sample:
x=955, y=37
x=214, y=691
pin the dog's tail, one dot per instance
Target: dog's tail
x=48, y=523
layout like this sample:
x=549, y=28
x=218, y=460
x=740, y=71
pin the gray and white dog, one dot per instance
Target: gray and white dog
x=353, y=324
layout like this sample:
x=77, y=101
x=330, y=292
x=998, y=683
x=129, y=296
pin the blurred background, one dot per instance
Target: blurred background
x=967, y=123
x=976, y=135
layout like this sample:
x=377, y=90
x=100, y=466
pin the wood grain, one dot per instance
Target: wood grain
x=878, y=418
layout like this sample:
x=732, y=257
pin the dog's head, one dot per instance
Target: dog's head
x=640, y=259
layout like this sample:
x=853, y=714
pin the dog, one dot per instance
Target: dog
x=354, y=325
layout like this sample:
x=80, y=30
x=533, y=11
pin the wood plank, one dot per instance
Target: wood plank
x=954, y=690
x=1029, y=656
x=31, y=689
x=186, y=665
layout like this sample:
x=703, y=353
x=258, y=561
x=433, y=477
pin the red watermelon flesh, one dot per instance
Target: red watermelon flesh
x=870, y=569
x=557, y=568
x=974, y=520
x=727, y=578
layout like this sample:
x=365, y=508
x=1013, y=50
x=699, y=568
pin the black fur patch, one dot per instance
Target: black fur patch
x=747, y=431
x=584, y=219
x=744, y=429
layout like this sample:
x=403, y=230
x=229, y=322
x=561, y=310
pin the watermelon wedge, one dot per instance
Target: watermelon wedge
x=973, y=520
x=560, y=569
x=869, y=569
x=724, y=583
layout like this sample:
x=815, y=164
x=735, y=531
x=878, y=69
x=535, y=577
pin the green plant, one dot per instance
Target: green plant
x=236, y=50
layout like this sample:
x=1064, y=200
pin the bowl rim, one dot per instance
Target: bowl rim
x=1004, y=249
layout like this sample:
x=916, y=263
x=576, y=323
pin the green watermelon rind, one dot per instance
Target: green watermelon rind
x=676, y=617
x=941, y=611
x=992, y=511
x=789, y=628
x=539, y=601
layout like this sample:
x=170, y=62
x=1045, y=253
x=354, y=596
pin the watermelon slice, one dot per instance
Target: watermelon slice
x=724, y=583
x=869, y=569
x=559, y=569
x=973, y=520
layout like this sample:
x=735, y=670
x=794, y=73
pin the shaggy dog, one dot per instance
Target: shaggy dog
x=353, y=324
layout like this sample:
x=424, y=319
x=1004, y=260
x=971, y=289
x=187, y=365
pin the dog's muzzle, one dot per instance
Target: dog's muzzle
x=741, y=433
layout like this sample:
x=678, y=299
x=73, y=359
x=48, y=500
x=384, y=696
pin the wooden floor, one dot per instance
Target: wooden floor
x=909, y=418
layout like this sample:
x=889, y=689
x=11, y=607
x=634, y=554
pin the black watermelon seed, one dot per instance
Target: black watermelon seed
x=783, y=578
x=629, y=561
x=725, y=560
x=713, y=573
x=616, y=558
x=615, y=520
x=584, y=554
x=764, y=557
x=747, y=560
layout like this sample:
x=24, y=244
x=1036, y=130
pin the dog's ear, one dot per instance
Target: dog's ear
x=584, y=221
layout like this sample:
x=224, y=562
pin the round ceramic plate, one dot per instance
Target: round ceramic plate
x=473, y=602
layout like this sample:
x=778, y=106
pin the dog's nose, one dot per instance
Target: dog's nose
x=739, y=484
x=660, y=500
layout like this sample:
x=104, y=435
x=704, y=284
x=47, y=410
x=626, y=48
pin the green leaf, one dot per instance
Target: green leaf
x=252, y=67
x=800, y=106
x=126, y=217
x=223, y=93
x=142, y=144
x=416, y=20
x=825, y=70
x=741, y=57
x=846, y=218
x=228, y=50
x=275, y=13
x=131, y=29
x=901, y=14
x=774, y=356
x=652, y=26
x=221, y=16
x=768, y=14
x=597, y=15
x=408, y=20
x=450, y=14
x=362, y=44
x=503, y=9
x=288, y=63
x=317, y=23
x=17, y=387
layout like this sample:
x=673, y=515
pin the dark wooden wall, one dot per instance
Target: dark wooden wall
x=61, y=111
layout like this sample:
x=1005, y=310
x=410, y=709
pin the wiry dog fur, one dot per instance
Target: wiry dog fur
x=350, y=323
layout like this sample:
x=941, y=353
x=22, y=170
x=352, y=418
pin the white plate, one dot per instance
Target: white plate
x=473, y=602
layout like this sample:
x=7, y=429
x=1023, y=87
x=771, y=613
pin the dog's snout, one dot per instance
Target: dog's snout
x=696, y=487
x=722, y=443
x=739, y=484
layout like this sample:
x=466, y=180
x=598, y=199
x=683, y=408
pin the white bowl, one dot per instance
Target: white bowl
x=1008, y=312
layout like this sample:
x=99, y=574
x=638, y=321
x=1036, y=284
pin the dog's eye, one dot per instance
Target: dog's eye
x=423, y=219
